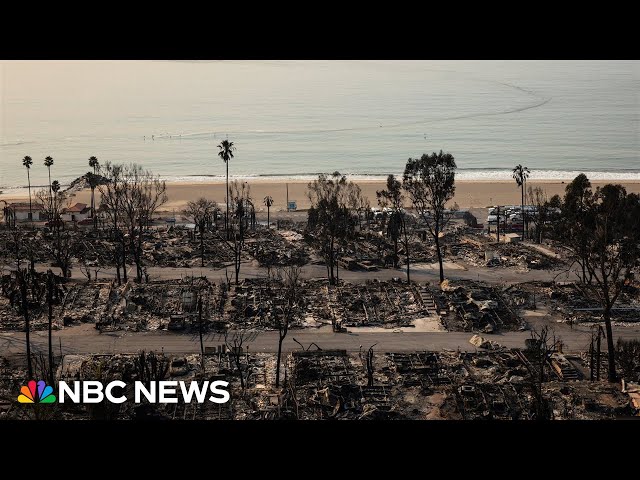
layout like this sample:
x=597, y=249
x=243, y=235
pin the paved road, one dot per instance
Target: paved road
x=85, y=339
x=419, y=273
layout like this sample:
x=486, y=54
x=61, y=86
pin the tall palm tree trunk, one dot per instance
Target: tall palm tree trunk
x=30, y=211
x=522, y=208
x=226, y=220
x=50, y=192
x=93, y=213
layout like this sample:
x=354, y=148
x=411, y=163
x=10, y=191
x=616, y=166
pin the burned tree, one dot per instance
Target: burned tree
x=329, y=219
x=430, y=183
x=111, y=201
x=539, y=349
x=240, y=197
x=367, y=362
x=200, y=331
x=90, y=258
x=61, y=246
x=52, y=292
x=286, y=306
x=202, y=213
x=628, y=357
x=539, y=218
x=142, y=194
x=24, y=305
x=234, y=347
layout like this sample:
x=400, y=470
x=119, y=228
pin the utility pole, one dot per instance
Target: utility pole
x=287, y=197
x=498, y=224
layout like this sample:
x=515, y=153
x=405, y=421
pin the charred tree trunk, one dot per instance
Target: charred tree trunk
x=331, y=258
x=280, y=340
x=202, y=244
x=610, y=348
x=439, y=253
x=200, y=332
x=395, y=251
x=237, y=356
x=50, y=286
x=406, y=249
x=25, y=312
x=123, y=258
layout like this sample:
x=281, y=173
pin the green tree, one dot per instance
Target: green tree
x=572, y=228
x=430, y=183
x=538, y=198
x=393, y=197
x=613, y=250
x=201, y=211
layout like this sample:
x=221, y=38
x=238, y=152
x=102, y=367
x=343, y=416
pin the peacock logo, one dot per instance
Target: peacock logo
x=44, y=393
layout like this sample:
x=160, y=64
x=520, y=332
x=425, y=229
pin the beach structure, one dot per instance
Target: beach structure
x=76, y=213
x=20, y=212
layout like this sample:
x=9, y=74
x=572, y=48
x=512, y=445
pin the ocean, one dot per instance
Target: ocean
x=294, y=119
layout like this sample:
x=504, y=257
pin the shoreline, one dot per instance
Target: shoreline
x=469, y=194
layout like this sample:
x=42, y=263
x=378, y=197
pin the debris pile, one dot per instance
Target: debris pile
x=279, y=248
x=578, y=304
x=475, y=306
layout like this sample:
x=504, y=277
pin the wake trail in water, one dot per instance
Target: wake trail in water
x=539, y=103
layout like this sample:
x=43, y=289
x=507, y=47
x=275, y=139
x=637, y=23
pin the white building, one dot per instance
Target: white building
x=20, y=211
x=78, y=212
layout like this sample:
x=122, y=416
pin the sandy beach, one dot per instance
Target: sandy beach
x=476, y=194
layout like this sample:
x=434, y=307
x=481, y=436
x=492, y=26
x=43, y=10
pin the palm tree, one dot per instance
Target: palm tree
x=93, y=163
x=48, y=161
x=520, y=175
x=27, y=162
x=268, y=201
x=226, y=153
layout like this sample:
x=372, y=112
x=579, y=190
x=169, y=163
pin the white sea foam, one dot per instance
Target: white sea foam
x=461, y=174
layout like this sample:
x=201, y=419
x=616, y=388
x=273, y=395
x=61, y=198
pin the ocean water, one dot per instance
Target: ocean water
x=294, y=119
